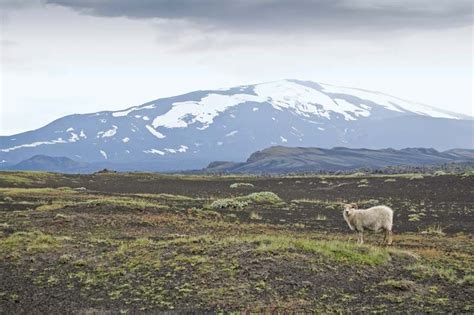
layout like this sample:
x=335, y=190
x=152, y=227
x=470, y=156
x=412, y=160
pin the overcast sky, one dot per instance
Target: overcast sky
x=60, y=57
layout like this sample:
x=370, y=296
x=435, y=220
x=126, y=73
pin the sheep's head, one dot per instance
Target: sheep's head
x=349, y=208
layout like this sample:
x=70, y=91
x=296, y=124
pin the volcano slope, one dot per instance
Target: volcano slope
x=129, y=243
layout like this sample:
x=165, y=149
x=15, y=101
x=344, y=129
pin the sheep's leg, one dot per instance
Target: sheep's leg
x=360, y=239
x=389, y=237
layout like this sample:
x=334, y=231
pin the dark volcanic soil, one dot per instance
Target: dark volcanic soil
x=148, y=243
x=440, y=200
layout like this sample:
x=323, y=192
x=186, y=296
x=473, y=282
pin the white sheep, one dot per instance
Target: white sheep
x=374, y=219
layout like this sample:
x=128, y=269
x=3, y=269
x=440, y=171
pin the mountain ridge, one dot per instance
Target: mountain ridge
x=199, y=127
x=277, y=160
x=281, y=159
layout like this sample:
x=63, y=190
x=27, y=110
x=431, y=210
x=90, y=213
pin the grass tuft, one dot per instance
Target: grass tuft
x=31, y=242
x=336, y=250
x=434, y=230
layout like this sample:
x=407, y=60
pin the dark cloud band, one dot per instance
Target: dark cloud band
x=288, y=15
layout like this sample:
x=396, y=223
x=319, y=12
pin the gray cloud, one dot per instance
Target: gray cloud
x=254, y=16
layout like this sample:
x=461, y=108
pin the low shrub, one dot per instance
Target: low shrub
x=243, y=201
x=241, y=185
x=264, y=196
x=228, y=203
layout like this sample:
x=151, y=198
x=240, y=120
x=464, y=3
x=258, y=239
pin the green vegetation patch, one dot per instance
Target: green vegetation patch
x=39, y=193
x=31, y=242
x=339, y=251
x=27, y=178
x=127, y=202
x=170, y=197
x=434, y=230
x=49, y=199
x=243, y=201
x=426, y=271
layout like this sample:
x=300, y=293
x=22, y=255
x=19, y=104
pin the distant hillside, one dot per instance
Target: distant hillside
x=50, y=164
x=279, y=159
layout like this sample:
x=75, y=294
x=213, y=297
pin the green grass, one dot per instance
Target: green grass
x=56, y=205
x=336, y=250
x=49, y=199
x=467, y=279
x=31, y=242
x=415, y=217
x=169, y=197
x=434, y=230
x=263, y=197
x=427, y=271
x=27, y=178
x=127, y=202
x=243, y=201
x=40, y=193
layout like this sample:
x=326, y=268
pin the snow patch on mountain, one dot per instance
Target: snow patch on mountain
x=232, y=133
x=124, y=112
x=74, y=137
x=34, y=144
x=132, y=109
x=126, y=139
x=204, y=111
x=387, y=101
x=155, y=132
x=283, y=95
x=181, y=149
x=154, y=151
x=108, y=133
x=347, y=108
x=104, y=154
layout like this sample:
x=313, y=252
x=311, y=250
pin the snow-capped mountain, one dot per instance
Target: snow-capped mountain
x=190, y=130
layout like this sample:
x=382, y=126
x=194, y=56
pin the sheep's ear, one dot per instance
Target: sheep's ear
x=353, y=205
